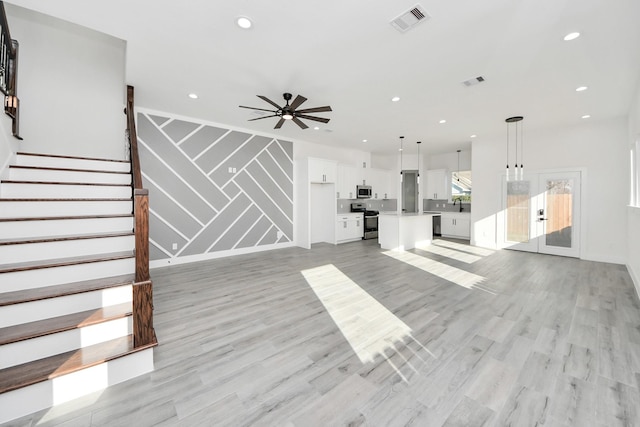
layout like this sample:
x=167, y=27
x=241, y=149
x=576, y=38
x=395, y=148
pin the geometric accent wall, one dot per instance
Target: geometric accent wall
x=213, y=189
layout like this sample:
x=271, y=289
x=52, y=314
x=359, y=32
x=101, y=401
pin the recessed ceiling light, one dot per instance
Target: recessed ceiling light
x=316, y=127
x=586, y=116
x=364, y=140
x=571, y=36
x=395, y=99
x=442, y=121
x=581, y=88
x=399, y=149
x=244, y=22
x=473, y=136
x=193, y=96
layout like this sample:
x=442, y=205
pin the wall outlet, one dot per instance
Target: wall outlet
x=279, y=234
x=230, y=169
x=174, y=246
x=340, y=205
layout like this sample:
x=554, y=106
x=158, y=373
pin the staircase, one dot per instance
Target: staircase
x=67, y=273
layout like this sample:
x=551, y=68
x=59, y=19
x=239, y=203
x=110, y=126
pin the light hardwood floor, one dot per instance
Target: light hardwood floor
x=350, y=335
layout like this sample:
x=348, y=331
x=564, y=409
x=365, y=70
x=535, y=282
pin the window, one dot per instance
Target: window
x=461, y=186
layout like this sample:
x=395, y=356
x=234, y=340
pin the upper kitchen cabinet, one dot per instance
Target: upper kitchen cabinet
x=322, y=171
x=378, y=179
x=347, y=181
x=437, y=187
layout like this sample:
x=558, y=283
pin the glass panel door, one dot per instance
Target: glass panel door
x=542, y=214
x=558, y=214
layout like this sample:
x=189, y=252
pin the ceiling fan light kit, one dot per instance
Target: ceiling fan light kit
x=290, y=111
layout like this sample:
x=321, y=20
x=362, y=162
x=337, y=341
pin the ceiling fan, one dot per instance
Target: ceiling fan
x=289, y=112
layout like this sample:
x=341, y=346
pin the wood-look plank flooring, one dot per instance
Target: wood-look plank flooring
x=246, y=340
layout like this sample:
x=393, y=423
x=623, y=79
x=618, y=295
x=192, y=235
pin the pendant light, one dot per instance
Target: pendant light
x=458, y=174
x=514, y=119
x=401, y=139
x=418, y=180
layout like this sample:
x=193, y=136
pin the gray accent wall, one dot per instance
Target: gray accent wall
x=197, y=204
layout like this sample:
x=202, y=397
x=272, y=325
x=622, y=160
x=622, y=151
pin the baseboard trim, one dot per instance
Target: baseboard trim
x=215, y=255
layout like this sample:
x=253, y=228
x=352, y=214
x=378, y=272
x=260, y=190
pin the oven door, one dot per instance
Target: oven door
x=371, y=227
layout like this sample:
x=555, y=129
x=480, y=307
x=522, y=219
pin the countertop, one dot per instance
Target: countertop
x=409, y=214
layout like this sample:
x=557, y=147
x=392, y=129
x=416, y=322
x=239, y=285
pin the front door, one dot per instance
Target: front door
x=542, y=213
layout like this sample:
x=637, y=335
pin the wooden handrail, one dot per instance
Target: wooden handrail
x=9, y=73
x=143, y=333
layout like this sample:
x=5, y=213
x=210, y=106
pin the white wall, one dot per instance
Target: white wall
x=8, y=146
x=71, y=87
x=449, y=161
x=598, y=146
x=633, y=213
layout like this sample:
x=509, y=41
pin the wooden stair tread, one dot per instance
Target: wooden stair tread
x=26, y=240
x=92, y=184
x=37, y=371
x=67, y=322
x=49, y=168
x=46, y=292
x=54, y=218
x=59, y=262
x=58, y=156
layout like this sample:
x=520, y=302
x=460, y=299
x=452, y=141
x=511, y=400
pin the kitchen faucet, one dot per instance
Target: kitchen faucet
x=457, y=200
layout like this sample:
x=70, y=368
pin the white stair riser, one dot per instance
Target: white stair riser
x=47, y=228
x=26, y=252
x=57, y=162
x=44, y=175
x=31, y=279
x=51, y=191
x=37, y=209
x=33, y=311
x=27, y=400
x=38, y=348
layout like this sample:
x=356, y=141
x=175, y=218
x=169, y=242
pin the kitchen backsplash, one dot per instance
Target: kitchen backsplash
x=344, y=205
x=444, y=206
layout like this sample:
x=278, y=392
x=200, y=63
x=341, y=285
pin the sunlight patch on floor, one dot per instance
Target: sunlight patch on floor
x=452, y=274
x=450, y=253
x=464, y=248
x=369, y=327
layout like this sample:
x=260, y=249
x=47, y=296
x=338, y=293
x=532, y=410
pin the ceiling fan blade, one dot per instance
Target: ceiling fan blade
x=263, y=117
x=264, y=98
x=297, y=102
x=299, y=123
x=279, y=124
x=315, y=110
x=317, y=119
x=254, y=108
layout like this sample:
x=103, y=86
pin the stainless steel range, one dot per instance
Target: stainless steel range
x=370, y=220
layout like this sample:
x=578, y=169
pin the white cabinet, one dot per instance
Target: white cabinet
x=377, y=179
x=347, y=181
x=381, y=182
x=322, y=171
x=456, y=224
x=349, y=227
x=438, y=186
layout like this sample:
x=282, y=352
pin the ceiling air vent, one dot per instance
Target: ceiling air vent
x=473, y=81
x=410, y=19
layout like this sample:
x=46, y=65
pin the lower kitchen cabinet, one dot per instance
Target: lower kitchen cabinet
x=349, y=227
x=456, y=225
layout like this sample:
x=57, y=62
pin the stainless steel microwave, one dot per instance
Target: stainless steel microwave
x=363, y=191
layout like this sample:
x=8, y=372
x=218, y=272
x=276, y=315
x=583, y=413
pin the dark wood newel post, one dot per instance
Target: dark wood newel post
x=143, y=333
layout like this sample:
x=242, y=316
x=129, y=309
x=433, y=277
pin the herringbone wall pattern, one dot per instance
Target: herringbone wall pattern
x=213, y=189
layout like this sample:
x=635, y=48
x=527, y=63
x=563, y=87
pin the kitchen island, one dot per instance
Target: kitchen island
x=404, y=231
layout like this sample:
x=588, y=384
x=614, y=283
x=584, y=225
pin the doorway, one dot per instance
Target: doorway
x=409, y=191
x=542, y=213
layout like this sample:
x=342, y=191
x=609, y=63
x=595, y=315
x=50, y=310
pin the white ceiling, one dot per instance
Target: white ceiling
x=347, y=55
